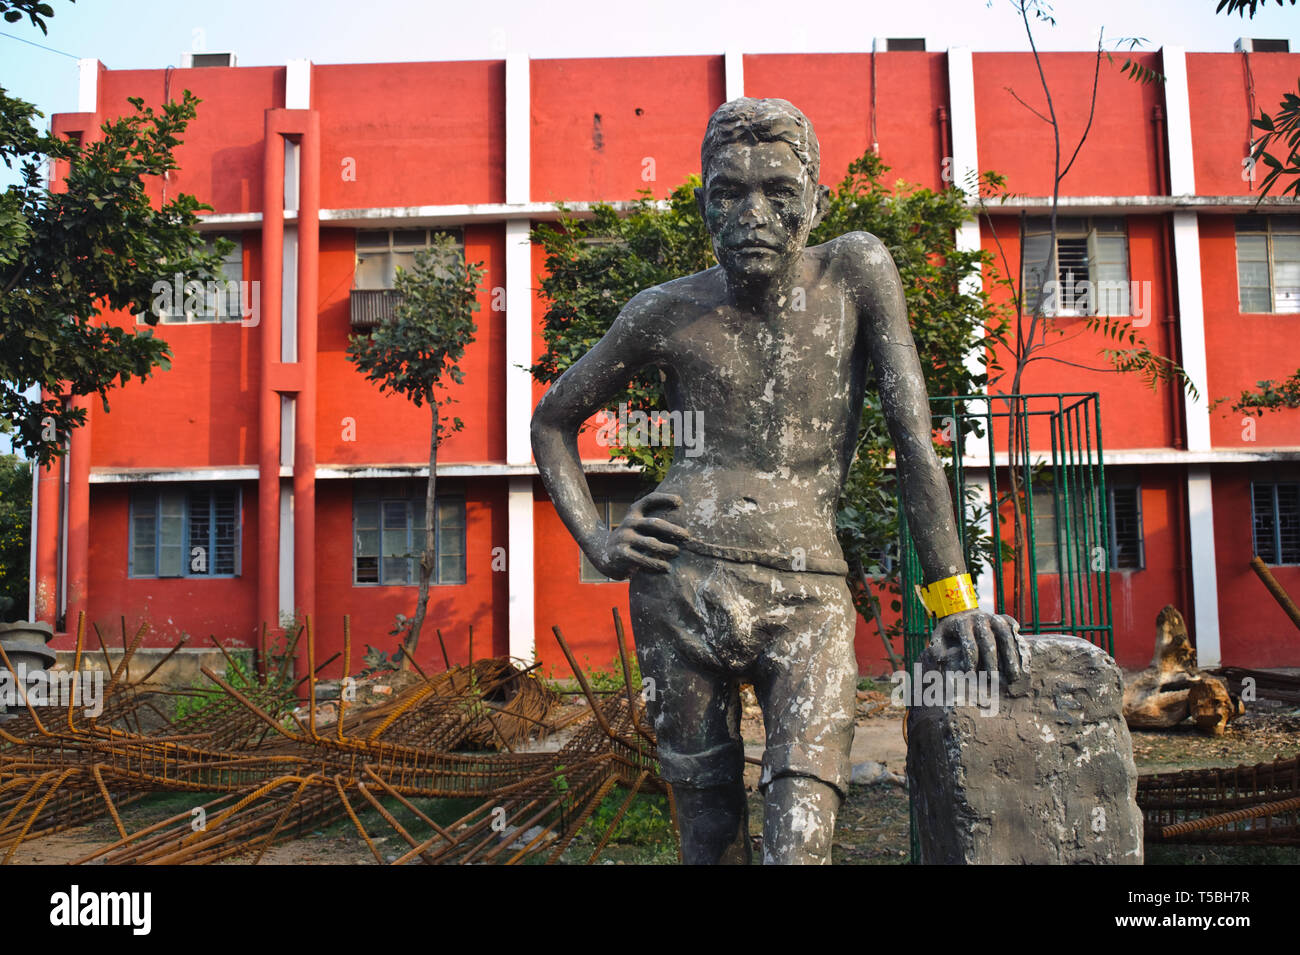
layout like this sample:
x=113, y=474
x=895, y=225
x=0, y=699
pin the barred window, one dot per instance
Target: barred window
x=181, y=531
x=1125, y=512
x=1268, y=263
x=389, y=535
x=1276, y=520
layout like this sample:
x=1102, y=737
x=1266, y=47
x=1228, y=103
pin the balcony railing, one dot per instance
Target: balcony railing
x=370, y=307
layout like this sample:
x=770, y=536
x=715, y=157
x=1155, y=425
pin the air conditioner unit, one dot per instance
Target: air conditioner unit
x=1247, y=44
x=191, y=59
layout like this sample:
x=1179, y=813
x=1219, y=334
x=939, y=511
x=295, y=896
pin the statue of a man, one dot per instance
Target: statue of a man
x=736, y=572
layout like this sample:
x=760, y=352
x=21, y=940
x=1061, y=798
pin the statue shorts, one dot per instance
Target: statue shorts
x=711, y=624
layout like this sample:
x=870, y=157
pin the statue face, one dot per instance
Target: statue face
x=759, y=204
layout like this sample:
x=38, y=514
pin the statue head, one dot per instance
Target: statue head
x=760, y=197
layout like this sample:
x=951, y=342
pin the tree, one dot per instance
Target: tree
x=1033, y=335
x=96, y=245
x=594, y=266
x=432, y=324
x=15, y=534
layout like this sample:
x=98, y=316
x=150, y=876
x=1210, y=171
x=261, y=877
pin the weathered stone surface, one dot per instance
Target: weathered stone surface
x=1045, y=777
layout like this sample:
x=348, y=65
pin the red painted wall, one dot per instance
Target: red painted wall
x=1137, y=596
x=1119, y=156
x=596, y=121
x=1133, y=415
x=1253, y=630
x=834, y=91
x=202, y=412
x=1242, y=349
x=389, y=429
x=481, y=601
x=220, y=155
x=418, y=133
x=1218, y=90
x=582, y=611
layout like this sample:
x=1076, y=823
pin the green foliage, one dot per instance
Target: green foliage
x=376, y=660
x=204, y=693
x=66, y=257
x=1243, y=7
x=431, y=327
x=647, y=820
x=1282, y=128
x=610, y=678
x=1269, y=396
x=594, y=266
x=15, y=534
x=34, y=10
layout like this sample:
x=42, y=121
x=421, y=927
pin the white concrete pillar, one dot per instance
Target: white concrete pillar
x=1191, y=332
x=519, y=356
x=734, y=68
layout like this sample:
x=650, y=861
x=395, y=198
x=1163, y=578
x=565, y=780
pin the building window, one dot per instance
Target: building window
x=1046, y=539
x=1268, y=263
x=1276, y=519
x=185, y=532
x=1089, y=266
x=380, y=252
x=388, y=537
x=221, y=299
x=612, y=510
x=1125, y=512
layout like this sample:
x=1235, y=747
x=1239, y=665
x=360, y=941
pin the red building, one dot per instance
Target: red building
x=264, y=448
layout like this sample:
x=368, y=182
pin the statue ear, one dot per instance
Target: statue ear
x=699, y=201
x=823, y=204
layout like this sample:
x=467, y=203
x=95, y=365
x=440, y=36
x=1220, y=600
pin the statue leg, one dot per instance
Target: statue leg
x=798, y=821
x=713, y=824
x=694, y=708
x=807, y=687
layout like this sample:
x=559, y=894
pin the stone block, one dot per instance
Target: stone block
x=1045, y=776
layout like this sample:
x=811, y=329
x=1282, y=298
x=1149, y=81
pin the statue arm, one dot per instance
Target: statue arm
x=972, y=639
x=922, y=485
x=578, y=394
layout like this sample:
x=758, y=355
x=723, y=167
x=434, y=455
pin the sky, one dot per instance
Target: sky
x=136, y=34
x=132, y=34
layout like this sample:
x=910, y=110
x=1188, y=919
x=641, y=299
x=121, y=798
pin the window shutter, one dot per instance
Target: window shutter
x=144, y=534
x=1252, y=273
x=171, y=534
x=1286, y=273
x=1108, y=272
